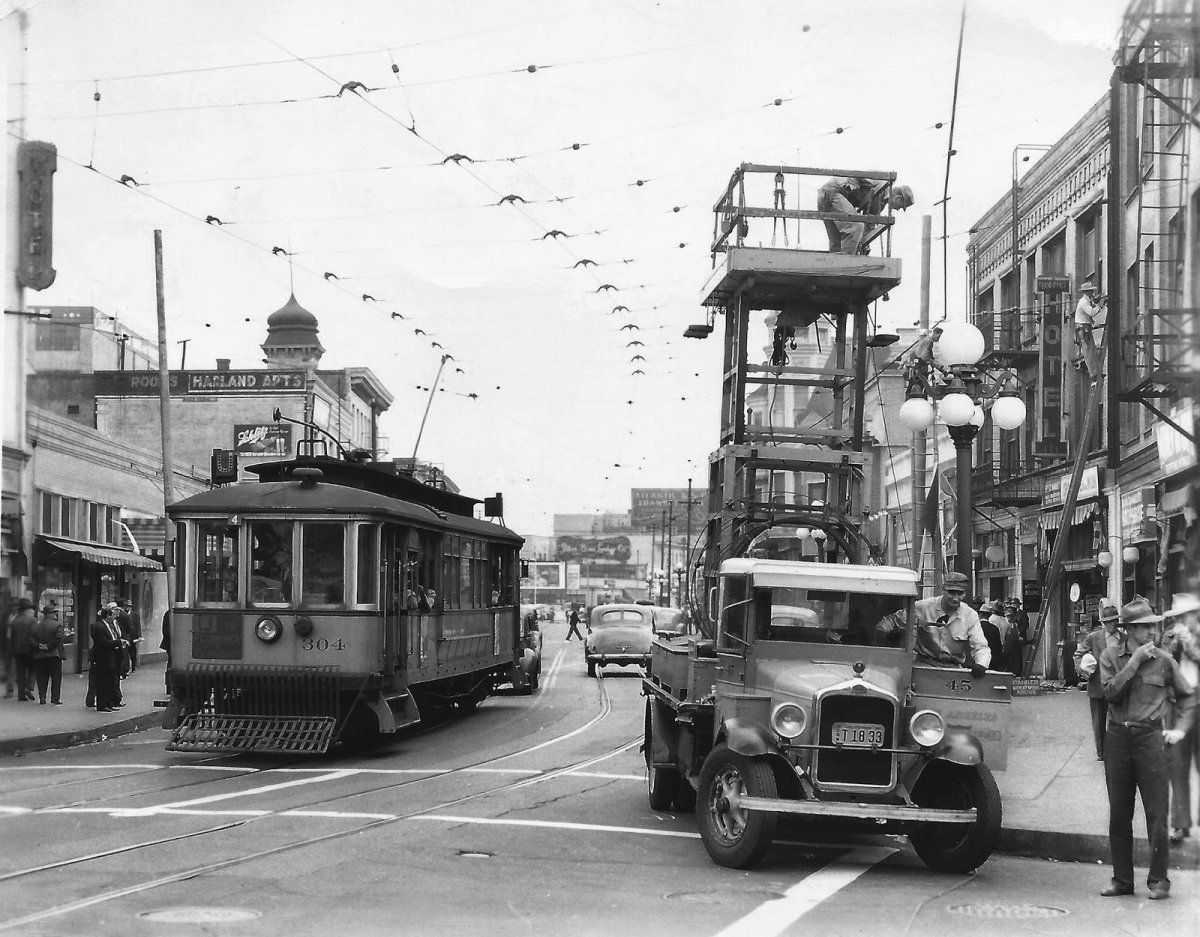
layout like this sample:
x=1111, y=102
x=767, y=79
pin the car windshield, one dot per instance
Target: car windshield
x=620, y=616
x=827, y=616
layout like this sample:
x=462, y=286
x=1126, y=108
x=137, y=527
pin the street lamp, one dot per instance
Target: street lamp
x=679, y=574
x=962, y=393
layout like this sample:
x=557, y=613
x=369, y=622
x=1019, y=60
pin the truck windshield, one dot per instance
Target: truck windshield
x=825, y=616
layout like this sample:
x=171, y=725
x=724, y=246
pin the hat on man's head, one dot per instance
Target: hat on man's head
x=50, y=610
x=1108, y=610
x=1182, y=603
x=125, y=602
x=26, y=602
x=904, y=194
x=1087, y=287
x=1013, y=603
x=955, y=580
x=1138, y=612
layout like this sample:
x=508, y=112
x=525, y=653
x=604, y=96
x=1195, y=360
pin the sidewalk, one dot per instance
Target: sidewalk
x=1055, y=802
x=31, y=727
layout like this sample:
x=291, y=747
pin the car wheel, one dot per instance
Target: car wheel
x=735, y=838
x=662, y=783
x=957, y=847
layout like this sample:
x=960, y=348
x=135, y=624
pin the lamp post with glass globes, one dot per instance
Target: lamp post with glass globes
x=962, y=392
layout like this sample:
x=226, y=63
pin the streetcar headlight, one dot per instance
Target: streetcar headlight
x=788, y=720
x=303, y=626
x=927, y=727
x=268, y=629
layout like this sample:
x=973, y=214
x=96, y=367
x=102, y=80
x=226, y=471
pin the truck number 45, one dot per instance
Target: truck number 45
x=959, y=686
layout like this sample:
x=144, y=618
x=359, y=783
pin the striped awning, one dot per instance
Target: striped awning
x=1176, y=501
x=1052, y=520
x=103, y=556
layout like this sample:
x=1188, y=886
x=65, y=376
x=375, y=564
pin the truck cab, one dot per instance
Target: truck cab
x=809, y=700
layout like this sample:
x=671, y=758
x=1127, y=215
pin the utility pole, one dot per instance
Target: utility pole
x=669, y=568
x=183, y=358
x=164, y=406
x=920, y=455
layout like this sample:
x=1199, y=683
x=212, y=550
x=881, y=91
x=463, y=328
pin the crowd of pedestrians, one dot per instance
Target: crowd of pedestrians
x=33, y=648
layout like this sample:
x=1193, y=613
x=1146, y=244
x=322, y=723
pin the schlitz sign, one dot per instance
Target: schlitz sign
x=36, y=164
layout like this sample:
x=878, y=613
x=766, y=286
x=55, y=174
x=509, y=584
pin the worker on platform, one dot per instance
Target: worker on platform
x=948, y=629
x=919, y=364
x=1090, y=314
x=852, y=194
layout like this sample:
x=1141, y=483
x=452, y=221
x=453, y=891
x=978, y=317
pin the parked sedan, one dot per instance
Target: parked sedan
x=669, y=621
x=618, y=634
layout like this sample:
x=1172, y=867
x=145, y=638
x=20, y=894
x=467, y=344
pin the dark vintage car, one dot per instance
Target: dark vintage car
x=669, y=621
x=618, y=634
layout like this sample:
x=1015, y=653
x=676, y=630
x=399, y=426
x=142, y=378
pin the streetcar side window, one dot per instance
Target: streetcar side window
x=216, y=563
x=323, y=564
x=271, y=563
x=180, y=562
x=368, y=565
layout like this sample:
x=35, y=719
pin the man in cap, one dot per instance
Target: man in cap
x=1089, y=315
x=948, y=630
x=1139, y=680
x=1182, y=642
x=850, y=195
x=1087, y=662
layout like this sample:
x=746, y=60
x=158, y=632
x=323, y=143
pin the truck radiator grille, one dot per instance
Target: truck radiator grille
x=855, y=765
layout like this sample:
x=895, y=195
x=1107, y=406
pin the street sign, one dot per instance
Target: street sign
x=1053, y=284
x=36, y=164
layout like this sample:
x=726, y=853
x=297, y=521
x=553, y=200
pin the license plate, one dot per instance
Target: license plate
x=857, y=734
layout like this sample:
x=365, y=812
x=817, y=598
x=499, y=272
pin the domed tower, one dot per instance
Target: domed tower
x=292, y=340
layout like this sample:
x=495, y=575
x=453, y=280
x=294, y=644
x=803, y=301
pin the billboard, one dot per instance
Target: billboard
x=595, y=551
x=647, y=506
x=273, y=439
x=145, y=383
x=547, y=575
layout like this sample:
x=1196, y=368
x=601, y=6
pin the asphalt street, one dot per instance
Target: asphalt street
x=527, y=817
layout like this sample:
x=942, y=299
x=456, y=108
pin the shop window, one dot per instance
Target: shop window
x=324, y=564
x=271, y=563
x=216, y=562
x=368, y=565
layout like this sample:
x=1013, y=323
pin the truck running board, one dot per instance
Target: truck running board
x=214, y=732
x=858, y=811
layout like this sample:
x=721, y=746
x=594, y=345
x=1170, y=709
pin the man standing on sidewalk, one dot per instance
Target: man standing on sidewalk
x=1106, y=636
x=20, y=634
x=1138, y=680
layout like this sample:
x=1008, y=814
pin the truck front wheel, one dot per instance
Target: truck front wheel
x=957, y=847
x=734, y=837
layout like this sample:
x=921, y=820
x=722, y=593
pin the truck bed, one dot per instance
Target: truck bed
x=683, y=668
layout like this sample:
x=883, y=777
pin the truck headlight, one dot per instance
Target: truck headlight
x=927, y=727
x=788, y=720
x=268, y=629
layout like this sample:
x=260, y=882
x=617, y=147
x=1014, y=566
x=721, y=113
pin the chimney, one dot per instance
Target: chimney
x=222, y=364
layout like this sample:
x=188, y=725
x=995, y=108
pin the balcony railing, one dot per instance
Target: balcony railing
x=1008, y=333
x=1007, y=483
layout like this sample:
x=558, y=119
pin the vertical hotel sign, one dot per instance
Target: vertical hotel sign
x=1050, y=441
x=36, y=164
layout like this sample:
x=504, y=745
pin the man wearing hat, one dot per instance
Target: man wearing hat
x=1087, y=662
x=1182, y=642
x=948, y=630
x=851, y=194
x=1139, y=680
x=20, y=634
x=987, y=621
x=1089, y=315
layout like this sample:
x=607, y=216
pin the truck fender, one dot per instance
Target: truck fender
x=663, y=732
x=958, y=746
x=747, y=738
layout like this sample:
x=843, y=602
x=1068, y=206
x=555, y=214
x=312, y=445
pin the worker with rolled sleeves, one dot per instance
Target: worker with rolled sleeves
x=1144, y=687
x=948, y=630
x=850, y=195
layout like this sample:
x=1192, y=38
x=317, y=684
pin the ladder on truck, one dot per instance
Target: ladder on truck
x=800, y=465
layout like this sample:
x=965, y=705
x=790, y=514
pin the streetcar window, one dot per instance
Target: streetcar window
x=324, y=564
x=368, y=564
x=465, y=562
x=180, y=560
x=216, y=562
x=271, y=563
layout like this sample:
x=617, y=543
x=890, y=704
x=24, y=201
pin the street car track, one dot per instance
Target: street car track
x=197, y=871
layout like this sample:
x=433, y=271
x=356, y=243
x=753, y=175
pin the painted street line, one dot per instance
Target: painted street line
x=640, y=778
x=103, y=767
x=557, y=825
x=774, y=917
x=214, y=798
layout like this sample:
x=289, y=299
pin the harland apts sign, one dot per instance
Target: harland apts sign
x=183, y=383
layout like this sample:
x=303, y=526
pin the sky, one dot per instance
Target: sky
x=361, y=154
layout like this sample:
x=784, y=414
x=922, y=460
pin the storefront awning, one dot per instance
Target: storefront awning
x=1176, y=501
x=1052, y=520
x=104, y=556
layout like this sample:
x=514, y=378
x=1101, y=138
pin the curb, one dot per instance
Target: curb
x=75, y=737
x=1087, y=847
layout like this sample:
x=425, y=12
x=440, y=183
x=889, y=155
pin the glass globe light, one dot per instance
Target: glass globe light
x=956, y=409
x=819, y=535
x=1104, y=559
x=1130, y=554
x=770, y=319
x=960, y=343
x=803, y=533
x=977, y=417
x=916, y=414
x=1008, y=412
x=994, y=553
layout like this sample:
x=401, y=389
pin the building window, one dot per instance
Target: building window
x=1054, y=255
x=57, y=336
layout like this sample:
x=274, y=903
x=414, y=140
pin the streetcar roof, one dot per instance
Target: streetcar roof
x=292, y=497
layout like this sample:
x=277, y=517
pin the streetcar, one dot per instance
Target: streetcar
x=334, y=599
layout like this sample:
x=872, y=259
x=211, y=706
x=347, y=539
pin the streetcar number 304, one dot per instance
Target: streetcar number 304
x=857, y=734
x=323, y=644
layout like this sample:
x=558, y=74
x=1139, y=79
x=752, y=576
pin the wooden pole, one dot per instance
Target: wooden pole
x=920, y=454
x=164, y=408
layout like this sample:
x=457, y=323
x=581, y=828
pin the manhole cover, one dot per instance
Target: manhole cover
x=708, y=897
x=1010, y=911
x=199, y=915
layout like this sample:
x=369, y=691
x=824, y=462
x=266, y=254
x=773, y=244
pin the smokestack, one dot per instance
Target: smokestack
x=222, y=364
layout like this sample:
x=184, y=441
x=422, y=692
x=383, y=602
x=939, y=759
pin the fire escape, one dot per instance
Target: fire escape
x=1157, y=58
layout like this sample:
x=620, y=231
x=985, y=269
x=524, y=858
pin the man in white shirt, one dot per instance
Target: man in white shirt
x=1089, y=315
x=948, y=630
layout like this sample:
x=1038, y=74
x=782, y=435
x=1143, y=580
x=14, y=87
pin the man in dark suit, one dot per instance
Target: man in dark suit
x=106, y=659
x=1106, y=636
